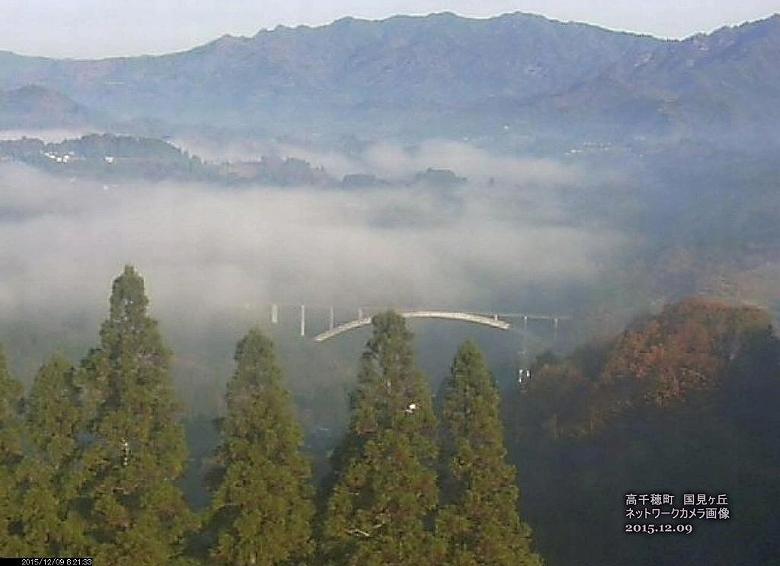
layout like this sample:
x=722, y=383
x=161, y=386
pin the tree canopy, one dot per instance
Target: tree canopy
x=262, y=509
x=385, y=491
x=479, y=523
x=136, y=513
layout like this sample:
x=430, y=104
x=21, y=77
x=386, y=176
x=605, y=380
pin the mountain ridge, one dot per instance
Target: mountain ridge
x=350, y=19
x=442, y=74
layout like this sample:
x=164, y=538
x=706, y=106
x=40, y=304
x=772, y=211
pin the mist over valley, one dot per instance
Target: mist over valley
x=619, y=188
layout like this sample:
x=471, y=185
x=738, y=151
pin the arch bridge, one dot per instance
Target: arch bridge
x=498, y=321
x=493, y=322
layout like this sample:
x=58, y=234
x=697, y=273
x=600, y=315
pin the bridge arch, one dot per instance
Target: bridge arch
x=493, y=322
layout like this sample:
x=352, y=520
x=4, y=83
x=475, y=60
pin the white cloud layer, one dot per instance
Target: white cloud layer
x=205, y=249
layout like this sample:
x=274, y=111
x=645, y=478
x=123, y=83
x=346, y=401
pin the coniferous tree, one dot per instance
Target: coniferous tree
x=263, y=507
x=54, y=421
x=135, y=512
x=11, y=450
x=478, y=524
x=385, y=485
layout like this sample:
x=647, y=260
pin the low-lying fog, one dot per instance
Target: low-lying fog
x=214, y=258
x=203, y=247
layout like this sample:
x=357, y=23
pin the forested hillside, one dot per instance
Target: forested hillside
x=685, y=401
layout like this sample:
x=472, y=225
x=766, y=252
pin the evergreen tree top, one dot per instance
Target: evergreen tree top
x=128, y=299
x=262, y=509
x=256, y=361
x=471, y=389
x=129, y=327
x=480, y=524
x=389, y=329
x=392, y=392
x=136, y=451
x=470, y=351
x=471, y=403
x=390, y=323
x=381, y=506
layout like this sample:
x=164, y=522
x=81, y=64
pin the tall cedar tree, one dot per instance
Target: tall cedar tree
x=385, y=487
x=135, y=512
x=263, y=507
x=479, y=524
x=11, y=543
x=54, y=421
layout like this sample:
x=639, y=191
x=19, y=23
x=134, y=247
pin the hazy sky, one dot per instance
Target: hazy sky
x=96, y=28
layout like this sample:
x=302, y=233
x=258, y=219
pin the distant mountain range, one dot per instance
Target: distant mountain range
x=444, y=75
x=33, y=106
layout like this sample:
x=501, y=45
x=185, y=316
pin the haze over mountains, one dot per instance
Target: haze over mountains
x=667, y=147
x=34, y=106
x=303, y=177
x=414, y=77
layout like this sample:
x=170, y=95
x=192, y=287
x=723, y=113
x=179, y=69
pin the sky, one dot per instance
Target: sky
x=96, y=28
